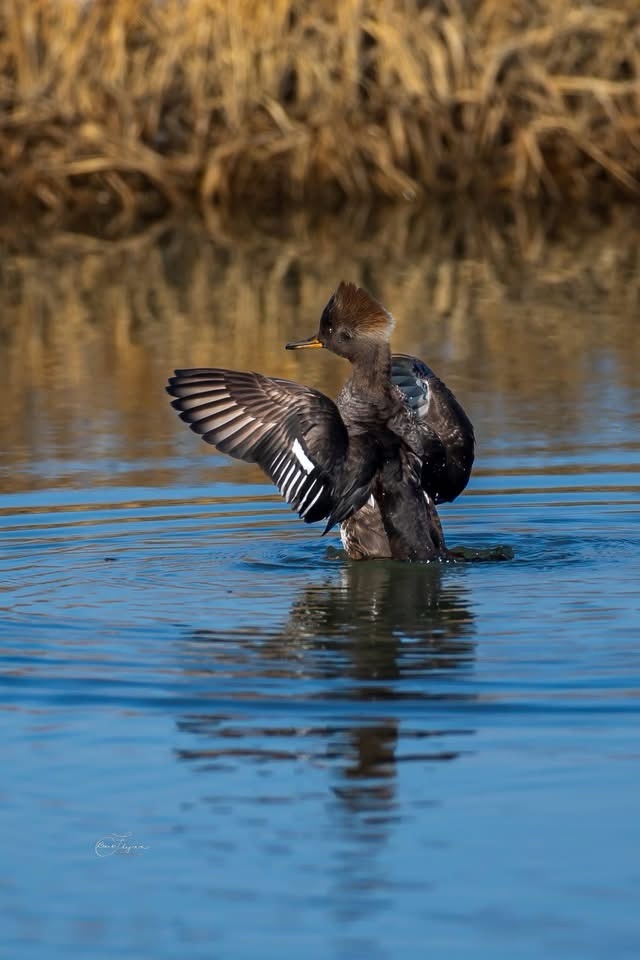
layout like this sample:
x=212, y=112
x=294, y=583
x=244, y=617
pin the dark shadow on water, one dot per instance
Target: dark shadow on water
x=337, y=702
x=386, y=641
x=385, y=618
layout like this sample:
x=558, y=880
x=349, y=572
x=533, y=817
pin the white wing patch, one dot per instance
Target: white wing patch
x=288, y=483
x=275, y=464
x=304, y=512
x=306, y=464
x=297, y=487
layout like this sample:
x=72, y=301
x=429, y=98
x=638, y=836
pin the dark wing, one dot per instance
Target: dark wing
x=445, y=427
x=295, y=433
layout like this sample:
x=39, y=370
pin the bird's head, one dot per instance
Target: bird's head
x=353, y=325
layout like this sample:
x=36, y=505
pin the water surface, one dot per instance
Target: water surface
x=303, y=755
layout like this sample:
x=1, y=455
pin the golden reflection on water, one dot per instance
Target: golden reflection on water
x=518, y=315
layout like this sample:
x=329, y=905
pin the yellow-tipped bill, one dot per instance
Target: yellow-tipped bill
x=303, y=344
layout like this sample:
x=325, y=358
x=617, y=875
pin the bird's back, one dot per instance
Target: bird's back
x=425, y=447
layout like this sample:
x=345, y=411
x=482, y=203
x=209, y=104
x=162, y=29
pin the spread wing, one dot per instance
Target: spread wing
x=449, y=441
x=293, y=432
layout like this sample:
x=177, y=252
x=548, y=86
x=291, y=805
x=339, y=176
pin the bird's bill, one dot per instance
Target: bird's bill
x=303, y=344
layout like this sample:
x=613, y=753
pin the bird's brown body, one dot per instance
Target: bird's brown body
x=377, y=461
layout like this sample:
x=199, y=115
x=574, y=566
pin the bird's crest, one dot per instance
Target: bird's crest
x=356, y=307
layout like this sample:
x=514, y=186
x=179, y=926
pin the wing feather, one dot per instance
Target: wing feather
x=445, y=427
x=295, y=433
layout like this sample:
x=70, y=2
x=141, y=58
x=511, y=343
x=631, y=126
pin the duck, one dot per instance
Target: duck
x=376, y=461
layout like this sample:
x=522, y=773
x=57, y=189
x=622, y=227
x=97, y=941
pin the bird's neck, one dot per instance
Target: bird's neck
x=371, y=373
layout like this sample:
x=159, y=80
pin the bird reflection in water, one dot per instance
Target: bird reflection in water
x=377, y=634
x=397, y=632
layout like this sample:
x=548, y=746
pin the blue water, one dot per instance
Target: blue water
x=220, y=738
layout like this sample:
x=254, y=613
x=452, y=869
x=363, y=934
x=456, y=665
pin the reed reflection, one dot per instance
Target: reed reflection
x=90, y=329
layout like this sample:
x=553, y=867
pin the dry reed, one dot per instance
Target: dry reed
x=124, y=108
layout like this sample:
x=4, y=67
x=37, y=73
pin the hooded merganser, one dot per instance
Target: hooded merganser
x=395, y=443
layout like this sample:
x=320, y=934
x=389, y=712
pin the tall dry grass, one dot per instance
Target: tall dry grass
x=122, y=108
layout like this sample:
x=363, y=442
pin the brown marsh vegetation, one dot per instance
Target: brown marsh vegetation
x=126, y=108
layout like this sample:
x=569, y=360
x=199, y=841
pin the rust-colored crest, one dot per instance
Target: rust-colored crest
x=355, y=306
